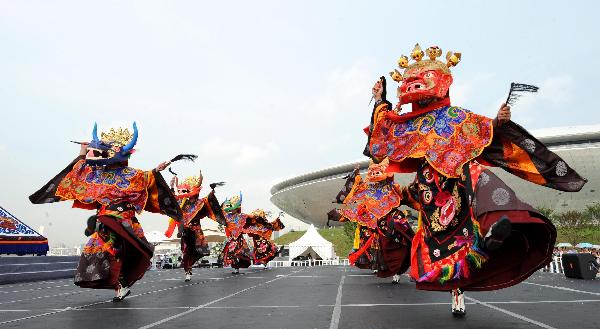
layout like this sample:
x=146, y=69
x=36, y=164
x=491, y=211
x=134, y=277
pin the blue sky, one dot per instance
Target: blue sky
x=260, y=90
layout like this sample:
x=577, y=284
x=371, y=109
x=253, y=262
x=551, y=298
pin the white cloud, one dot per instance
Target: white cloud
x=241, y=154
x=553, y=92
x=462, y=91
x=557, y=90
x=346, y=89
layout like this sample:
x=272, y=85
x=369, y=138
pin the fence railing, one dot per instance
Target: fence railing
x=310, y=262
x=555, y=265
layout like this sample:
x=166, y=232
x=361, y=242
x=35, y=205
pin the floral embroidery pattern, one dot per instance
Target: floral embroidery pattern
x=447, y=138
x=376, y=200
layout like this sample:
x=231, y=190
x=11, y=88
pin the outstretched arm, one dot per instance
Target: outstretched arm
x=503, y=116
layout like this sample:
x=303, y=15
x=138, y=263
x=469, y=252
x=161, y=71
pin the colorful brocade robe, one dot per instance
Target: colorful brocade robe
x=445, y=148
x=117, y=194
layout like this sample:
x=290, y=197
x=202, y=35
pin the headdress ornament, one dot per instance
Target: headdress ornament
x=112, y=147
x=259, y=213
x=421, y=64
x=232, y=204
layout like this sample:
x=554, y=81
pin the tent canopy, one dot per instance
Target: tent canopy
x=18, y=238
x=312, y=239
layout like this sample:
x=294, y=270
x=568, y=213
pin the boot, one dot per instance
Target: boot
x=188, y=276
x=122, y=292
x=396, y=279
x=497, y=233
x=458, y=303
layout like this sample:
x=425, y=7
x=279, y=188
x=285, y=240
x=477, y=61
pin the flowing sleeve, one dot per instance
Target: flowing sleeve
x=515, y=150
x=335, y=216
x=160, y=197
x=277, y=225
x=378, y=109
x=47, y=194
x=212, y=209
x=352, y=182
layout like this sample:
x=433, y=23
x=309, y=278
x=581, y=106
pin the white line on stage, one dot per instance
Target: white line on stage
x=563, y=288
x=337, y=309
x=213, y=302
x=55, y=311
x=514, y=315
x=577, y=301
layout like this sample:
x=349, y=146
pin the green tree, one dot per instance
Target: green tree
x=573, y=225
x=593, y=211
x=547, y=212
x=349, y=229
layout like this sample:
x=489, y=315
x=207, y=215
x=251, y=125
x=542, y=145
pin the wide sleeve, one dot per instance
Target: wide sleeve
x=336, y=216
x=352, y=182
x=160, y=197
x=515, y=150
x=277, y=225
x=212, y=209
x=47, y=194
x=376, y=114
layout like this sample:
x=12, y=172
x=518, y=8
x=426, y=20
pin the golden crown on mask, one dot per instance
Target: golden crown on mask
x=259, y=213
x=118, y=137
x=191, y=181
x=422, y=64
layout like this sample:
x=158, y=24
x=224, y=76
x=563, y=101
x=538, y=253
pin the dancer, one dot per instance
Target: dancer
x=261, y=230
x=383, y=233
x=193, y=243
x=117, y=253
x=473, y=233
x=236, y=252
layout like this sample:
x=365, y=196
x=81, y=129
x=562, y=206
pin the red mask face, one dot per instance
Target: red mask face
x=423, y=84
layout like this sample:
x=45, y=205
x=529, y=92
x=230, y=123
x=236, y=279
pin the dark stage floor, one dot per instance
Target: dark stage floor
x=315, y=297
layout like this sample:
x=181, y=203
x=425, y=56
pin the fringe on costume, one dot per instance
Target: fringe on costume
x=467, y=262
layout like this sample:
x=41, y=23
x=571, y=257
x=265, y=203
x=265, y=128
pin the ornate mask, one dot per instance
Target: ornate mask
x=378, y=171
x=232, y=204
x=424, y=79
x=113, y=147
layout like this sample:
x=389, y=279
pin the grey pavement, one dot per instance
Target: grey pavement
x=298, y=297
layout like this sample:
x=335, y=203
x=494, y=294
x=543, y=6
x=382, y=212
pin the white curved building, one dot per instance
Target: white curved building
x=309, y=197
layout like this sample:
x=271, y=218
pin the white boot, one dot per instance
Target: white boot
x=236, y=271
x=396, y=278
x=458, y=303
x=188, y=276
x=122, y=292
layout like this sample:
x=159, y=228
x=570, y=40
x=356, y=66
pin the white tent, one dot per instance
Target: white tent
x=156, y=237
x=312, y=240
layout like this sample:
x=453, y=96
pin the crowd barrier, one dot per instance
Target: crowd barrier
x=555, y=265
x=309, y=262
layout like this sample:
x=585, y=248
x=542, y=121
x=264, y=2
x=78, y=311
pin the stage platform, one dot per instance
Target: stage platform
x=297, y=297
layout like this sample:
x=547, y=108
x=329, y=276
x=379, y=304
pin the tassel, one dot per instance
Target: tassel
x=516, y=88
x=213, y=185
x=188, y=157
